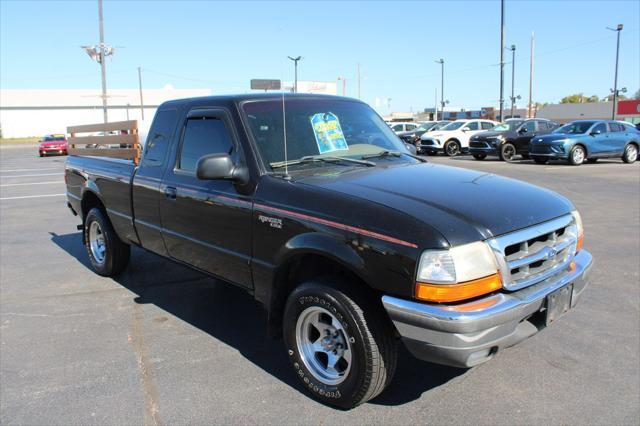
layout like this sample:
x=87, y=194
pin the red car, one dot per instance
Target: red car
x=53, y=144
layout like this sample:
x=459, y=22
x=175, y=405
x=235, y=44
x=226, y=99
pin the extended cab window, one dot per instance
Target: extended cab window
x=159, y=137
x=203, y=136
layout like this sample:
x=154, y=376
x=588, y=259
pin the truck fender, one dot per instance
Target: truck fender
x=90, y=188
x=323, y=245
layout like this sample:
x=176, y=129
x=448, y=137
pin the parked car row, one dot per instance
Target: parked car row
x=538, y=139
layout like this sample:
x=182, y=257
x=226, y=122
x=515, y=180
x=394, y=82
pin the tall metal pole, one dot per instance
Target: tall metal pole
x=435, y=106
x=140, y=88
x=103, y=64
x=513, y=78
x=615, y=81
x=295, y=65
x=441, y=62
x=358, y=81
x=530, y=112
x=501, y=60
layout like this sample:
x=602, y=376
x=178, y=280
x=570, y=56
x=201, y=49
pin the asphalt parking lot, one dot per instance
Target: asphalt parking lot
x=164, y=345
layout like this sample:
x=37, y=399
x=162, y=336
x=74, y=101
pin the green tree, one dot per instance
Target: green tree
x=579, y=98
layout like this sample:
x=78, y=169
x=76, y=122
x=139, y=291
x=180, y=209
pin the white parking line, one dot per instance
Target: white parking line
x=41, y=174
x=33, y=183
x=30, y=170
x=32, y=196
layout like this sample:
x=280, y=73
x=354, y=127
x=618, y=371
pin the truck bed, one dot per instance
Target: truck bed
x=110, y=179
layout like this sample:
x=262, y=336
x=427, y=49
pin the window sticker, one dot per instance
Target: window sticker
x=328, y=133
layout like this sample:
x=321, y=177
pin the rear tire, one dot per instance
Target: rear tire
x=577, y=155
x=479, y=156
x=540, y=160
x=358, y=341
x=630, y=154
x=452, y=148
x=107, y=253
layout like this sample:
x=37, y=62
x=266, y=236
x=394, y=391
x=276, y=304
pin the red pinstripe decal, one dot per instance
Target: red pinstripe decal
x=337, y=225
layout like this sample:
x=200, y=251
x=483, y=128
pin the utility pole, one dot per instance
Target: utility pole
x=98, y=53
x=615, y=81
x=501, y=60
x=295, y=65
x=358, y=80
x=530, y=112
x=103, y=64
x=435, y=106
x=513, y=78
x=441, y=62
x=140, y=88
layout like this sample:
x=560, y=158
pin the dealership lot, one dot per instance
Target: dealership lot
x=164, y=344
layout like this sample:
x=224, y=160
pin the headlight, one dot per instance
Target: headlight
x=578, y=219
x=459, y=273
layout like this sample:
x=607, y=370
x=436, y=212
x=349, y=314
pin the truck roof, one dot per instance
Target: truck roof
x=237, y=98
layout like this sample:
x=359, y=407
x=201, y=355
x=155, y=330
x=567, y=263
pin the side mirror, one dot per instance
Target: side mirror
x=465, y=129
x=412, y=148
x=522, y=130
x=221, y=166
x=595, y=132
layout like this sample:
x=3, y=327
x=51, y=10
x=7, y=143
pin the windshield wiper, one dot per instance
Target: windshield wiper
x=387, y=153
x=318, y=158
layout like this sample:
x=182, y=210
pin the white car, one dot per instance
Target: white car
x=453, y=138
x=403, y=126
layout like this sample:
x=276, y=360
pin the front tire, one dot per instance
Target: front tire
x=107, y=253
x=339, y=343
x=577, y=155
x=507, y=152
x=452, y=148
x=630, y=154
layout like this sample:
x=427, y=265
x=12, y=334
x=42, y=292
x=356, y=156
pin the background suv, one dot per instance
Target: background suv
x=510, y=138
x=453, y=138
x=587, y=140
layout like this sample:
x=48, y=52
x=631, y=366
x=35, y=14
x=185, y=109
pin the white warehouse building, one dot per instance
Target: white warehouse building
x=36, y=112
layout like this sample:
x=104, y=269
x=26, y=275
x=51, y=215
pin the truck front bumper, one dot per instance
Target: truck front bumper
x=469, y=334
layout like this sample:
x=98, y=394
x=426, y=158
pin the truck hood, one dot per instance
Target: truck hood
x=463, y=205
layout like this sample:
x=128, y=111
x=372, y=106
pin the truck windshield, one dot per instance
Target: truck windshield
x=318, y=128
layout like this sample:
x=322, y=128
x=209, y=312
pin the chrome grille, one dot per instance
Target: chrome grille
x=534, y=254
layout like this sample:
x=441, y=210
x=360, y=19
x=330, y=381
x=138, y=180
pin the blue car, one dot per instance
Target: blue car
x=587, y=140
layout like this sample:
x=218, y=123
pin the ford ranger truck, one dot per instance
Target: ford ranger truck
x=316, y=208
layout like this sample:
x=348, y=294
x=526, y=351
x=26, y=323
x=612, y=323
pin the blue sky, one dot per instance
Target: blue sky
x=222, y=45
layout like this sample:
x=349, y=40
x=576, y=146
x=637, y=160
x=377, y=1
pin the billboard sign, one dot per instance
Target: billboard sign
x=264, y=84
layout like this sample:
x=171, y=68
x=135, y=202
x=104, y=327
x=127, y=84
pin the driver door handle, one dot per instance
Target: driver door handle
x=170, y=192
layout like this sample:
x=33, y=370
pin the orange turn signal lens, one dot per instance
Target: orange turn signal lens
x=580, y=243
x=457, y=292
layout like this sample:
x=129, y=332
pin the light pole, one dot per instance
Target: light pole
x=501, y=60
x=99, y=53
x=441, y=62
x=295, y=65
x=513, y=78
x=615, y=81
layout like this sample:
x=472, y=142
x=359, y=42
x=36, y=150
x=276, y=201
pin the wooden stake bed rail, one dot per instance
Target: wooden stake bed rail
x=121, y=133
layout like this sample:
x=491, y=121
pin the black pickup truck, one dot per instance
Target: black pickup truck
x=352, y=243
